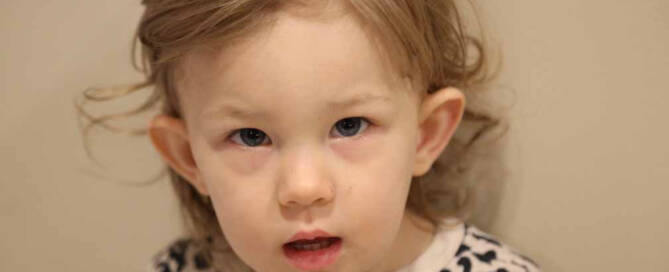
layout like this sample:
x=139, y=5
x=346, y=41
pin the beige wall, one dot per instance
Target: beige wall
x=588, y=146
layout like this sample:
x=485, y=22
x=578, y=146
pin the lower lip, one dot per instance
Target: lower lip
x=313, y=259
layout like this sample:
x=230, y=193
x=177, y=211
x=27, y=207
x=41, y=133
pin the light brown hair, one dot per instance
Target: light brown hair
x=428, y=34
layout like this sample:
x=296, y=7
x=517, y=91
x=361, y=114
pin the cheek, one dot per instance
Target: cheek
x=241, y=219
x=376, y=196
x=242, y=207
x=244, y=161
x=373, y=218
x=384, y=189
x=243, y=213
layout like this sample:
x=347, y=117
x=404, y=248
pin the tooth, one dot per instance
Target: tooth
x=315, y=244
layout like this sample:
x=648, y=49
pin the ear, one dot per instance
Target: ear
x=170, y=138
x=438, y=117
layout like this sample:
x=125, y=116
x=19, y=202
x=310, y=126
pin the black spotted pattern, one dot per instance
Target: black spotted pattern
x=479, y=252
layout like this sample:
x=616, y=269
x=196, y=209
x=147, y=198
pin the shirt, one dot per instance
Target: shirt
x=465, y=248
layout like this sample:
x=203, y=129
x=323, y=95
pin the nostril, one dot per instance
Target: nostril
x=305, y=191
x=319, y=201
x=305, y=201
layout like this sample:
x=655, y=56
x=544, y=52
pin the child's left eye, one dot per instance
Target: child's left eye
x=351, y=126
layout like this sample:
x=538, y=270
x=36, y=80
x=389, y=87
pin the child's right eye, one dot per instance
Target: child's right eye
x=249, y=137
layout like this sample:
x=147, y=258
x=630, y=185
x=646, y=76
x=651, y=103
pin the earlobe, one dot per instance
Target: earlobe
x=170, y=138
x=438, y=117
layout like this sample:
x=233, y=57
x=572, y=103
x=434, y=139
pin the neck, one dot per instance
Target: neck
x=414, y=237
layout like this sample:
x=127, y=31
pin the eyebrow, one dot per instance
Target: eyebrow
x=359, y=99
x=237, y=111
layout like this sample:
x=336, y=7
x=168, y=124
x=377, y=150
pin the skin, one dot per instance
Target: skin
x=306, y=175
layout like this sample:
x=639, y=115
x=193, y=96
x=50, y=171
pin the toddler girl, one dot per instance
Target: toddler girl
x=311, y=135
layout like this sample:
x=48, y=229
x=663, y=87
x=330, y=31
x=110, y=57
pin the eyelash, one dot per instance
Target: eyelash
x=237, y=133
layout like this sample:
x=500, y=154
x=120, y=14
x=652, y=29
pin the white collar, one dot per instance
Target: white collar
x=441, y=251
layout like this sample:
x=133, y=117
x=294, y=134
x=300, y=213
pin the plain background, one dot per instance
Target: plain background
x=588, y=143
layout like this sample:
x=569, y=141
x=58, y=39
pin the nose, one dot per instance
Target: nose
x=304, y=181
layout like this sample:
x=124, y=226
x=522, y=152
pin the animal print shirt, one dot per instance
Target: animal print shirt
x=462, y=248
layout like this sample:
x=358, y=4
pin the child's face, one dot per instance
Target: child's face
x=302, y=165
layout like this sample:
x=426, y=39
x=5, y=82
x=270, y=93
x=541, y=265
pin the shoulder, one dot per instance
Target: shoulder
x=180, y=255
x=480, y=251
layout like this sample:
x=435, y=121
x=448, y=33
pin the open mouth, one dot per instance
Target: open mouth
x=313, y=254
x=312, y=245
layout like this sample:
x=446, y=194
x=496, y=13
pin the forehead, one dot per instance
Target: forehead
x=297, y=58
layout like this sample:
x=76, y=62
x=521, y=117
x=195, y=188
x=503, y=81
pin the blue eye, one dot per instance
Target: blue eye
x=351, y=126
x=252, y=137
x=249, y=137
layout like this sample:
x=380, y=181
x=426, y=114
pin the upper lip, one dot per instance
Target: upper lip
x=309, y=235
